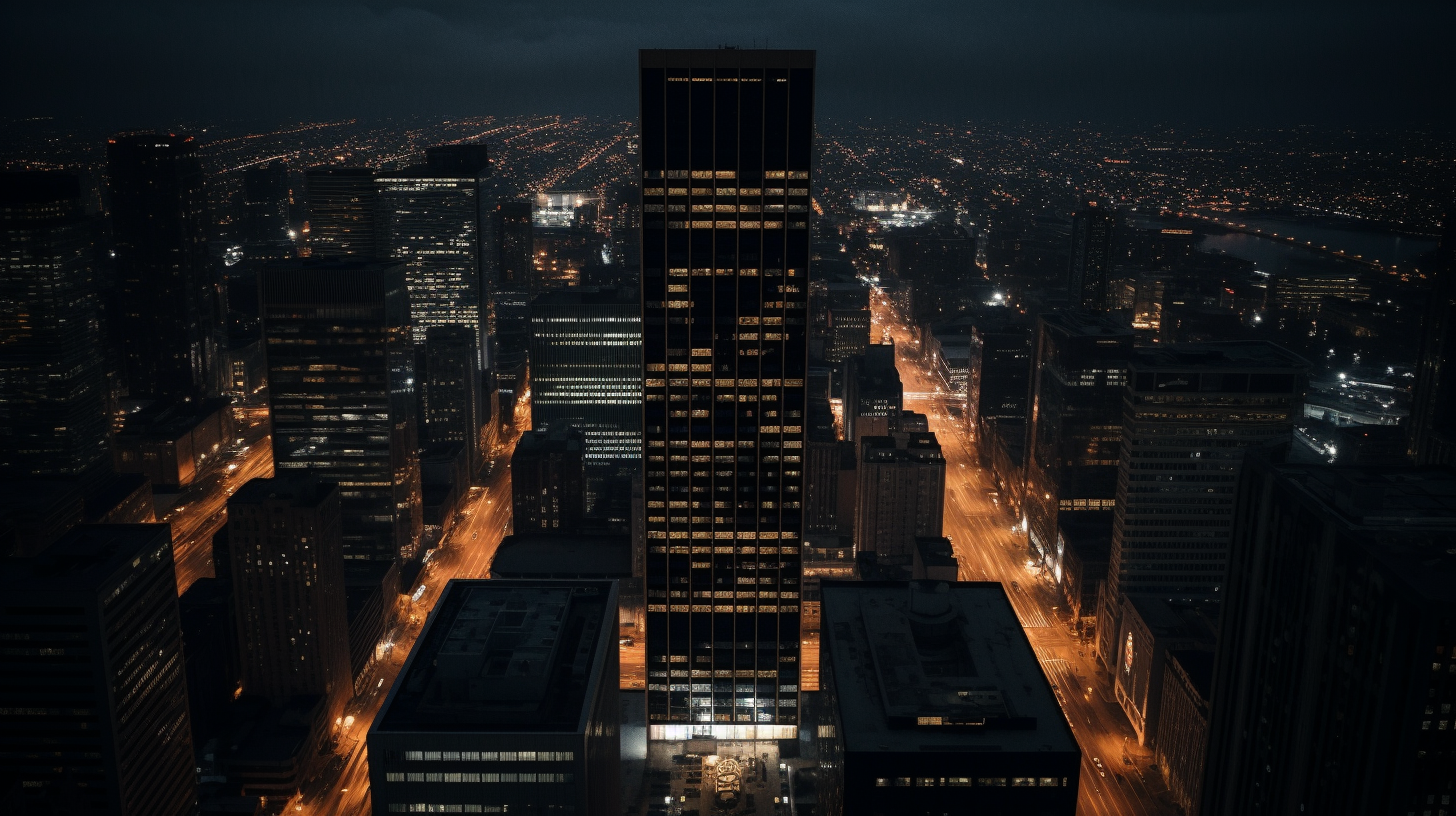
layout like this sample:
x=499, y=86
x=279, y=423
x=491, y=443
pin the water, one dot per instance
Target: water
x=1271, y=255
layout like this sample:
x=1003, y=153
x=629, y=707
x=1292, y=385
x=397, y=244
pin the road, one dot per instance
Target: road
x=988, y=550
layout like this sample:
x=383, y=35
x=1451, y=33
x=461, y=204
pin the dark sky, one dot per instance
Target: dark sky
x=1237, y=62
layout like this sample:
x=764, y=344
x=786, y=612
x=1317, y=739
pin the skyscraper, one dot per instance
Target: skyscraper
x=341, y=380
x=342, y=203
x=727, y=141
x=1090, y=269
x=1075, y=423
x=93, y=710
x=901, y=495
x=1433, y=405
x=170, y=297
x=514, y=246
x=1335, y=676
x=265, y=206
x=432, y=219
x=450, y=393
x=548, y=481
x=586, y=369
x=52, y=387
x=1190, y=414
x=288, y=590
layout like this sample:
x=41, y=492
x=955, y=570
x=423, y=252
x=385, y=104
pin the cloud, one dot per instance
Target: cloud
x=1276, y=61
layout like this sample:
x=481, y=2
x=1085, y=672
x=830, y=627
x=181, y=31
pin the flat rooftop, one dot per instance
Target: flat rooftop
x=506, y=656
x=86, y=558
x=1234, y=354
x=936, y=666
x=544, y=555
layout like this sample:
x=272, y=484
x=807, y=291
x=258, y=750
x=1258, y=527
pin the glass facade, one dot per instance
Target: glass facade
x=341, y=383
x=727, y=138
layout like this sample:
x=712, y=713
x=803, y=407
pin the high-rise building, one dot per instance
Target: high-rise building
x=934, y=702
x=266, y=196
x=169, y=295
x=288, y=590
x=1090, y=268
x=873, y=395
x=1190, y=413
x=341, y=380
x=52, y=386
x=1433, y=405
x=93, y=710
x=450, y=394
x=586, y=368
x=342, y=207
x=507, y=704
x=548, y=480
x=432, y=218
x=1074, y=428
x=514, y=248
x=1335, y=677
x=999, y=372
x=901, y=495
x=724, y=340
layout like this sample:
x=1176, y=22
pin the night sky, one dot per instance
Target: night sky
x=1263, y=62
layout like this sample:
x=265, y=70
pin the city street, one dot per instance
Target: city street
x=988, y=550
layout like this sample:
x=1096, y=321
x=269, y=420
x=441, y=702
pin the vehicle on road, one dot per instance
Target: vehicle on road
x=1101, y=771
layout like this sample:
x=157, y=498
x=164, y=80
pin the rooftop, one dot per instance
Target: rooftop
x=506, y=656
x=546, y=555
x=1235, y=355
x=936, y=666
x=87, y=557
x=298, y=491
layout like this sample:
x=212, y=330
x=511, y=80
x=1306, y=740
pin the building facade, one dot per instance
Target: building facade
x=1090, y=269
x=901, y=495
x=341, y=380
x=93, y=713
x=343, y=203
x=727, y=143
x=451, y=394
x=548, y=481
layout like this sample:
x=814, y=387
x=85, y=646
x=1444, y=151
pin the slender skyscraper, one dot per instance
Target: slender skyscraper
x=1433, y=405
x=1091, y=260
x=449, y=388
x=341, y=380
x=170, y=319
x=52, y=387
x=431, y=219
x=341, y=211
x=727, y=140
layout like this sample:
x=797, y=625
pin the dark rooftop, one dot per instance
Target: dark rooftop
x=507, y=656
x=558, y=556
x=1237, y=355
x=298, y=491
x=87, y=557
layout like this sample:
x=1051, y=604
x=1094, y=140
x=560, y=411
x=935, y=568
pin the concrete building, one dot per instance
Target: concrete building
x=873, y=394
x=1151, y=627
x=901, y=495
x=548, y=481
x=936, y=703
x=1181, y=742
x=507, y=704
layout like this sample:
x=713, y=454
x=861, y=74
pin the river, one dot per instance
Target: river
x=1271, y=255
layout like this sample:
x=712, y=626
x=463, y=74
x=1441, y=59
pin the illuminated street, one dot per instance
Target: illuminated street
x=988, y=550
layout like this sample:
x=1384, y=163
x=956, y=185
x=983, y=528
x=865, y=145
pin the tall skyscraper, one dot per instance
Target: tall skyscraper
x=1074, y=428
x=727, y=141
x=288, y=590
x=450, y=393
x=1190, y=414
x=1433, y=406
x=432, y=219
x=265, y=206
x=999, y=371
x=341, y=380
x=1090, y=269
x=901, y=495
x=515, y=246
x=548, y=481
x=342, y=205
x=93, y=709
x=1336, y=674
x=52, y=387
x=586, y=369
x=170, y=296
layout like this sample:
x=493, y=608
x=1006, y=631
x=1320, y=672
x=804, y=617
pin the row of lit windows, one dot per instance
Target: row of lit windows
x=966, y=781
x=424, y=807
x=1086, y=504
x=394, y=776
x=489, y=756
x=720, y=174
x=746, y=608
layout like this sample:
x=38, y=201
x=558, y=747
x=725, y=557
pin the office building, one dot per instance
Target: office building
x=1433, y=405
x=1335, y=678
x=849, y=334
x=1151, y=627
x=724, y=305
x=433, y=219
x=1181, y=742
x=937, y=259
x=901, y=495
x=936, y=703
x=173, y=443
x=170, y=299
x=829, y=475
x=506, y=704
x=342, y=206
x=52, y=386
x=288, y=589
x=548, y=480
x=514, y=248
x=210, y=644
x=1190, y=413
x=586, y=369
x=999, y=372
x=93, y=712
x=1074, y=429
x=1090, y=269
x=873, y=395
x=451, y=394
x=341, y=396
x=265, y=210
